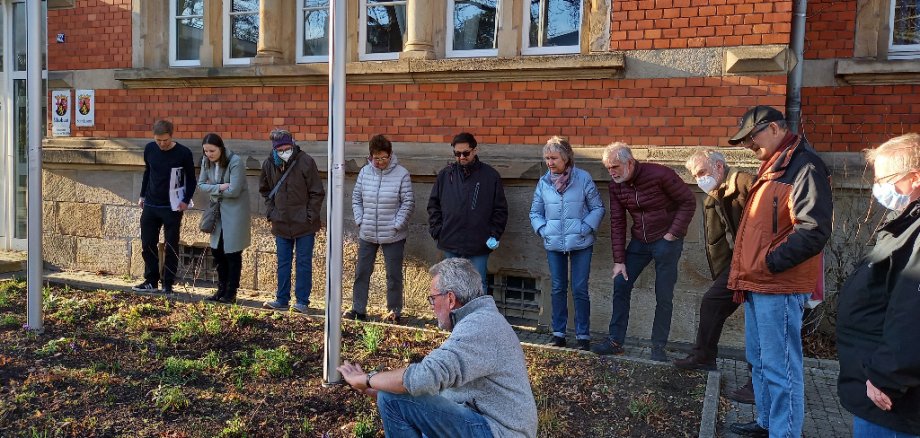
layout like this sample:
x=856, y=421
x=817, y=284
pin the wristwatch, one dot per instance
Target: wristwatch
x=368, y=381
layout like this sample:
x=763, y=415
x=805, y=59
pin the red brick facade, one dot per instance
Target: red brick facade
x=97, y=35
x=678, y=24
x=673, y=112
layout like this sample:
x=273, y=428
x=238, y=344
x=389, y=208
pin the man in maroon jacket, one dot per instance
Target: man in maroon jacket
x=661, y=206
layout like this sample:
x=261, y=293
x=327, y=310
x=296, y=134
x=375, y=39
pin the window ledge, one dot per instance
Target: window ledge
x=873, y=72
x=404, y=71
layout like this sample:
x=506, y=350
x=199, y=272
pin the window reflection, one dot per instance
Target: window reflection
x=475, y=24
x=315, y=22
x=555, y=23
x=386, y=26
x=906, y=23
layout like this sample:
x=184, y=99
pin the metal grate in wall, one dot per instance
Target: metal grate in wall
x=196, y=264
x=516, y=296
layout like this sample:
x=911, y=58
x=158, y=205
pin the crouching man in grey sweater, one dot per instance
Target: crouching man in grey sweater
x=474, y=385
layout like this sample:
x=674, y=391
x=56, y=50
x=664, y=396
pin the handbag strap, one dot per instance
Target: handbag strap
x=284, y=175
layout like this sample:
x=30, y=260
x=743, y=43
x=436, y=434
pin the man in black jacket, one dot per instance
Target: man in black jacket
x=168, y=167
x=467, y=210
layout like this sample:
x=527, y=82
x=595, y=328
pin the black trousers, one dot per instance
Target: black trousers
x=716, y=307
x=229, y=268
x=152, y=220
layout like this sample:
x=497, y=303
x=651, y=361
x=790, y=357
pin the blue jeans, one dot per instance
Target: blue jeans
x=480, y=262
x=559, y=271
x=773, y=342
x=638, y=255
x=404, y=415
x=867, y=429
x=285, y=248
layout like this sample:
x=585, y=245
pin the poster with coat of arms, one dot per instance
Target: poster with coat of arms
x=86, y=108
x=60, y=113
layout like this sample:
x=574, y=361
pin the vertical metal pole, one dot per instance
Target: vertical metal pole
x=794, y=81
x=335, y=196
x=35, y=96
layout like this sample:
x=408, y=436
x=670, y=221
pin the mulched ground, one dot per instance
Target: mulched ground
x=117, y=364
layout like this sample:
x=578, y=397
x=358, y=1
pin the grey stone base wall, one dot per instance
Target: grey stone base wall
x=91, y=222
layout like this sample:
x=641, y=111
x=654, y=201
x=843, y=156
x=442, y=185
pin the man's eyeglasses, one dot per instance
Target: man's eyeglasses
x=749, y=140
x=381, y=159
x=892, y=177
x=432, y=297
x=463, y=154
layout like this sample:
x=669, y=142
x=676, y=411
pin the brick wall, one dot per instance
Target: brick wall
x=852, y=118
x=673, y=24
x=98, y=35
x=831, y=29
x=672, y=112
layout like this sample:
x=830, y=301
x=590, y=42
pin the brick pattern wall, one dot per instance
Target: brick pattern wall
x=98, y=35
x=853, y=118
x=831, y=29
x=667, y=112
x=677, y=24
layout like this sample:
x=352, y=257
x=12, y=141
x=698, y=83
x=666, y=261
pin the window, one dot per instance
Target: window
x=472, y=28
x=905, y=29
x=313, y=30
x=186, y=32
x=552, y=27
x=516, y=295
x=383, y=29
x=241, y=31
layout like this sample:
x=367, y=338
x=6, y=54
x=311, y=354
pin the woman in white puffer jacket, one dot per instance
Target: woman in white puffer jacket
x=382, y=203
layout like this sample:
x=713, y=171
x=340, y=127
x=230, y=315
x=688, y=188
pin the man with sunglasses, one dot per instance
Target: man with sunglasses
x=467, y=210
x=465, y=387
x=776, y=265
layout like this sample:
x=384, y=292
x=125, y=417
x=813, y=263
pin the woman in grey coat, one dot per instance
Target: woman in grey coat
x=382, y=203
x=223, y=176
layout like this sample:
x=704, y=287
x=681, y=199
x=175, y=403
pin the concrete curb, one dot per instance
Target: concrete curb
x=711, y=405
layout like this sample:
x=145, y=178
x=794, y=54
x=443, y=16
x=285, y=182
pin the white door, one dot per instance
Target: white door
x=17, y=136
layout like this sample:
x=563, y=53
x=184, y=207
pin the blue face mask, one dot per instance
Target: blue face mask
x=886, y=195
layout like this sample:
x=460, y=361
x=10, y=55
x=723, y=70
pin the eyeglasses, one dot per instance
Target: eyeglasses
x=749, y=140
x=432, y=297
x=381, y=159
x=464, y=154
x=892, y=177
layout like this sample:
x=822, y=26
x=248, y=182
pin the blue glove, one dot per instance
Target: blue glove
x=492, y=243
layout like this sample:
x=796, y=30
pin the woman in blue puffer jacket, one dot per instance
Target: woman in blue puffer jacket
x=566, y=212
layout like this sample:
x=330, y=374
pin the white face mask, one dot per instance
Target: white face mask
x=886, y=195
x=706, y=183
x=286, y=155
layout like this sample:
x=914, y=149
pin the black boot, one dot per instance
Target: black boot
x=219, y=293
x=229, y=296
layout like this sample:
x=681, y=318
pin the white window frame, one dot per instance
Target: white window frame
x=300, y=31
x=362, y=32
x=904, y=51
x=173, y=37
x=478, y=53
x=227, y=27
x=556, y=50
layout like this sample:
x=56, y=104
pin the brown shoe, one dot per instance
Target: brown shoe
x=690, y=363
x=743, y=394
x=391, y=317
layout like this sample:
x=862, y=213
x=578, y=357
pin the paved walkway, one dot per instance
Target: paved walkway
x=824, y=417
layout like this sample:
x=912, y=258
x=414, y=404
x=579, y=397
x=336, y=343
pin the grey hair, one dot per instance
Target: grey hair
x=782, y=124
x=277, y=133
x=617, y=151
x=708, y=156
x=561, y=146
x=903, y=152
x=457, y=275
